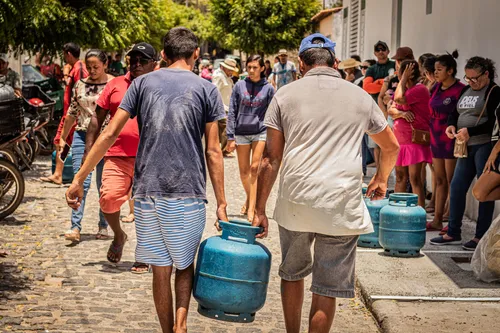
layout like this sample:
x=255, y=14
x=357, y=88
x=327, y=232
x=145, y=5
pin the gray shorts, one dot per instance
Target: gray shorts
x=248, y=139
x=333, y=265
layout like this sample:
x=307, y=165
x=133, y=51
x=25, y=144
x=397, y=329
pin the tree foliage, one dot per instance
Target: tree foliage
x=33, y=25
x=262, y=26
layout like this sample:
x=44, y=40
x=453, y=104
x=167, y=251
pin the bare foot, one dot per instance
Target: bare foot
x=244, y=209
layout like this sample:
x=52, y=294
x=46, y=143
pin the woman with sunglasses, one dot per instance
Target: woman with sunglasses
x=245, y=127
x=83, y=104
x=364, y=67
x=444, y=99
x=472, y=123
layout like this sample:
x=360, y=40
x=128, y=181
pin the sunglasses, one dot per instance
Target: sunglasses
x=139, y=60
x=380, y=49
x=364, y=67
x=473, y=79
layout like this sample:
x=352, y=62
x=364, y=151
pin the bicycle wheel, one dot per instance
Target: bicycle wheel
x=26, y=155
x=11, y=188
x=9, y=155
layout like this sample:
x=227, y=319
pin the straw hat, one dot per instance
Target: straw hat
x=229, y=64
x=349, y=63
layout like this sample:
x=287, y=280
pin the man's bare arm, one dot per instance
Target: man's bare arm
x=215, y=165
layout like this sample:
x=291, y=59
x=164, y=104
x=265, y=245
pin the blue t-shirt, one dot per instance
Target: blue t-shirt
x=172, y=107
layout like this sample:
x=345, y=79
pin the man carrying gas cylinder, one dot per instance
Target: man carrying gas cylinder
x=172, y=105
x=315, y=126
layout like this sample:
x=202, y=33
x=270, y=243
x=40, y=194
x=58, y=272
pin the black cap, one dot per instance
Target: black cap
x=381, y=43
x=145, y=49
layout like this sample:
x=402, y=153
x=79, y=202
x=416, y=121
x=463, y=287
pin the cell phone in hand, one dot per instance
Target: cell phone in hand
x=65, y=152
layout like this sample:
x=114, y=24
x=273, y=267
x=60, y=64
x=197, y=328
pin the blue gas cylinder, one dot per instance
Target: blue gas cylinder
x=402, y=226
x=232, y=274
x=374, y=207
x=67, y=176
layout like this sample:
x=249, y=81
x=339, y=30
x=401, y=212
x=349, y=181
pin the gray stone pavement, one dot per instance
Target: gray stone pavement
x=48, y=285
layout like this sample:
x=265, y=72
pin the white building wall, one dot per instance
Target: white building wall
x=469, y=26
x=378, y=24
x=337, y=32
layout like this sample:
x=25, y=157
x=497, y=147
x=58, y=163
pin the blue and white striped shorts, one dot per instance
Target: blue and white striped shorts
x=168, y=230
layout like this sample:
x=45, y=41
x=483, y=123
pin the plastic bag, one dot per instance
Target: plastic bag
x=486, y=259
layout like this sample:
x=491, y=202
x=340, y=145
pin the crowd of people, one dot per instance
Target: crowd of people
x=142, y=133
x=439, y=122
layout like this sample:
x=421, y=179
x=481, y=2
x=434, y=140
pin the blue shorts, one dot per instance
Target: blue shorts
x=168, y=230
x=248, y=139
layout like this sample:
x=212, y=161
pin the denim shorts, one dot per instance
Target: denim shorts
x=333, y=265
x=248, y=139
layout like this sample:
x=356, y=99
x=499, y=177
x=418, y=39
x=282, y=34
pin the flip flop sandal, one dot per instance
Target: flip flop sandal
x=126, y=219
x=137, y=265
x=429, y=227
x=443, y=231
x=117, y=251
x=48, y=180
x=102, y=234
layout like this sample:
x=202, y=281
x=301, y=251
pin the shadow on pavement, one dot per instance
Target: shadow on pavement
x=11, y=280
x=457, y=267
x=107, y=267
x=12, y=221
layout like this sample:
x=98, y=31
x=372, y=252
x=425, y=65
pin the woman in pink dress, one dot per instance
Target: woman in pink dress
x=411, y=111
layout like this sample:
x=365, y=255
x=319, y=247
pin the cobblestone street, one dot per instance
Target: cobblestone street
x=48, y=285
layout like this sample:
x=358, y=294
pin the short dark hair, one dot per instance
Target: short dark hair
x=259, y=59
x=416, y=71
x=371, y=61
x=72, y=48
x=429, y=64
x=356, y=57
x=481, y=64
x=318, y=56
x=179, y=43
x=448, y=61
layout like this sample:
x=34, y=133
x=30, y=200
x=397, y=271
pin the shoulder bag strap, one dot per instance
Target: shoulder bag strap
x=485, y=104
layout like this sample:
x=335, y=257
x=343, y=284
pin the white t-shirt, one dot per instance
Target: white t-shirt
x=224, y=85
x=323, y=119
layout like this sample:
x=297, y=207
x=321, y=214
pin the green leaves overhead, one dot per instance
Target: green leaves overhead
x=262, y=26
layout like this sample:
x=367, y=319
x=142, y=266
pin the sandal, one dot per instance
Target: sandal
x=128, y=219
x=49, y=180
x=117, y=251
x=102, y=234
x=72, y=235
x=430, y=227
x=140, y=265
x=443, y=231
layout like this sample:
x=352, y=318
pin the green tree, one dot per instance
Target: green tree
x=262, y=26
x=167, y=14
x=33, y=25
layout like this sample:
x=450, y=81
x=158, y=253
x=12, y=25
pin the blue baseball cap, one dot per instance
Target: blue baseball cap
x=307, y=43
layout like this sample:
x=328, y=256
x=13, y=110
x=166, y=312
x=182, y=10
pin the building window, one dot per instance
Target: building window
x=428, y=7
x=354, y=27
x=345, y=31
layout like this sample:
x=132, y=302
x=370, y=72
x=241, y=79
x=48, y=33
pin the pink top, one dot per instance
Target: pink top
x=417, y=101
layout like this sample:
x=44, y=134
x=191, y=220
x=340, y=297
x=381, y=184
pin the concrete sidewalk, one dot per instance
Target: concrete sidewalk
x=398, y=290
